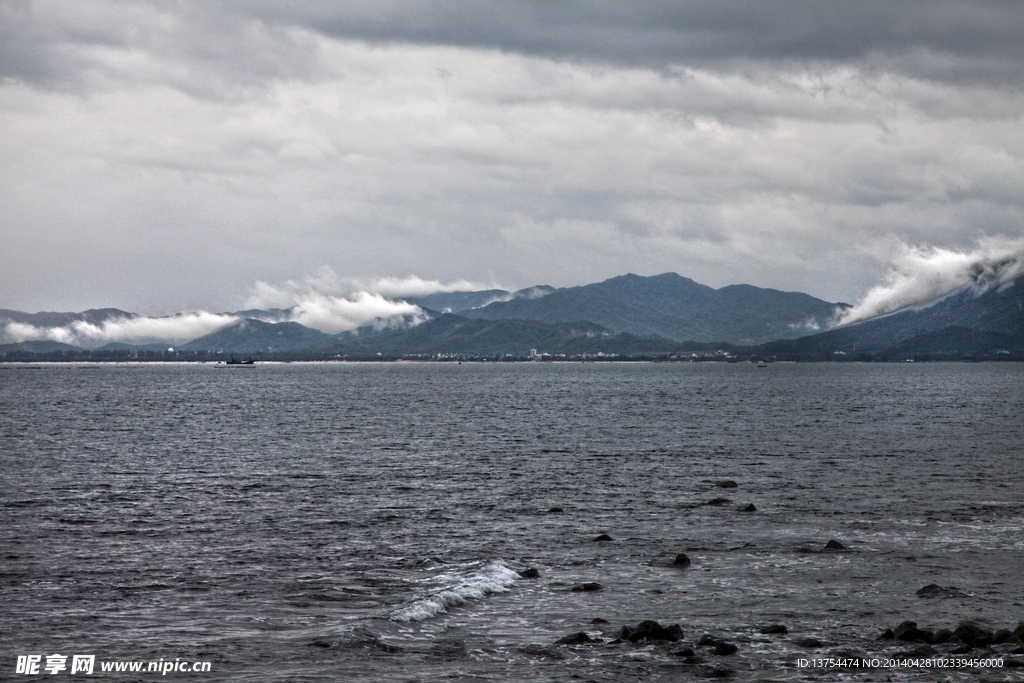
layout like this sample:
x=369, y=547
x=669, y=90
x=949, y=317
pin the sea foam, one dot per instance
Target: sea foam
x=456, y=590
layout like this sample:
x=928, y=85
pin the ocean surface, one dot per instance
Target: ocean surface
x=368, y=522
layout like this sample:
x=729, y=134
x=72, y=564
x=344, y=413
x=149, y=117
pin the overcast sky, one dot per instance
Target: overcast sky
x=175, y=155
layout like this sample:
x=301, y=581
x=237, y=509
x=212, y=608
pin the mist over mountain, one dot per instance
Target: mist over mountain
x=456, y=302
x=628, y=315
x=676, y=308
x=967, y=323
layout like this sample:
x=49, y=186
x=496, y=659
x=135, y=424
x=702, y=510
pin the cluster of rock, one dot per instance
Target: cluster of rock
x=966, y=636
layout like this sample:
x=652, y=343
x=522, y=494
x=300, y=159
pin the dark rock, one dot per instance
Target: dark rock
x=962, y=650
x=707, y=640
x=555, y=509
x=727, y=484
x=603, y=537
x=934, y=590
x=598, y=620
x=685, y=652
x=774, y=628
x=530, y=573
x=750, y=508
x=970, y=632
x=719, y=501
x=650, y=630
x=724, y=649
x=834, y=545
x=681, y=560
x=941, y=636
x=1002, y=635
x=541, y=651
x=909, y=633
x=808, y=642
x=887, y=634
x=322, y=643
x=578, y=638
x=1018, y=632
x=711, y=672
x=586, y=587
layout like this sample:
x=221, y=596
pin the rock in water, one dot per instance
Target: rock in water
x=727, y=484
x=809, y=642
x=555, y=509
x=724, y=649
x=530, y=573
x=934, y=590
x=774, y=628
x=681, y=560
x=972, y=633
x=650, y=630
x=834, y=545
x=586, y=587
x=578, y=638
x=750, y=508
x=603, y=537
x=719, y=501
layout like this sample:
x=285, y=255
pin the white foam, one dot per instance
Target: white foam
x=493, y=578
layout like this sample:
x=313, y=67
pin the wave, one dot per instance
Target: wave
x=455, y=589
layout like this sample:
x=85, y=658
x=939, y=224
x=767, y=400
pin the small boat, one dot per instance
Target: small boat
x=235, y=362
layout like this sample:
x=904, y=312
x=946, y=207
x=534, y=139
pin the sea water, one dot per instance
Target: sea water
x=368, y=522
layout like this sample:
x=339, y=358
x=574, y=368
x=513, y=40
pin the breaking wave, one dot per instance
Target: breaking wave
x=455, y=588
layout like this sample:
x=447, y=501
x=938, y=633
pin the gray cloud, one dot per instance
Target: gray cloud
x=166, y=156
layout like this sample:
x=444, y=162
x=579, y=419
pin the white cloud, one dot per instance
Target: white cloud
x=923, y=275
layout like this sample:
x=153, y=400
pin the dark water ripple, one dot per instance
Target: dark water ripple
x=362, y=522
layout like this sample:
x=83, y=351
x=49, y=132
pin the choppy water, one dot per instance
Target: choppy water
x=367, y=522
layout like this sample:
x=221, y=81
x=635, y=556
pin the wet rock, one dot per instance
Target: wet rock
x=727, y=484
x=887, y=634
x=834, y=545
x=934, y=590
x=650, y=630
x=603, y=537
x=908, y=632
x=588, y=587
x=1001, y=636
x=541, y=651
x=750, y=508
x=685, y=652
x=681, y=560
x=598, y=620
x=774, y=628
x=719, y=501
x=711, y=672
x=578, y=638
x=808, y=642
x=941, y=636
x=962, y=650
x=972, y=633
x=707, y=640
x=555, y=509
x=530, y=573
x=724, y=649
x=1018, y=632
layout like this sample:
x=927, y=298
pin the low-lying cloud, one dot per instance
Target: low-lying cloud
x=136, y=330
x=922, y=275
x=322, y=301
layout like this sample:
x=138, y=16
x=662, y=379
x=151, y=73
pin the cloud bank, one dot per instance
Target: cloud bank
x=923, y=275
x=163, y=156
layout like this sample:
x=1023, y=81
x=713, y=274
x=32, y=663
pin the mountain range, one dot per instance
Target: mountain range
x=666, y=315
